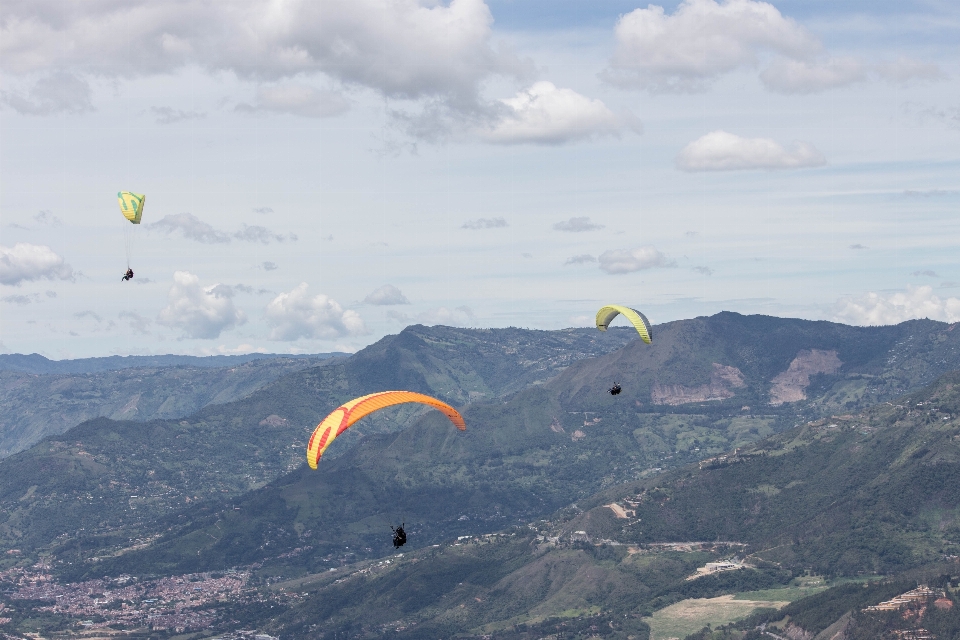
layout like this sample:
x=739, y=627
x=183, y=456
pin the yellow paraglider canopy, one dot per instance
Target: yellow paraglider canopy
x=606, y=315
x=343, y=417
x=131, y=205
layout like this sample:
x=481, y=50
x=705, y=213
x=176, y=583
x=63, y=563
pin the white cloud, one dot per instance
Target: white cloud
x=545, y=114
x=907, y=70
x=722, y=151
x=628, y=260
x=48, y=218
x=20, y=299
x=484, y=223
x=190, y=227
x=24, y=262
x=880, y=309
x=298, y=315
x=458, y=317
x=299, y=100
x=580, y=259
x=58, y=92
x=269, y=266
x=198, y=311
x=254, y=233
x=704, y=271
x=386, y=295
x=699, y=41
x=403, y=48
x=800, y=76
x=577, y=224
x=169, y=115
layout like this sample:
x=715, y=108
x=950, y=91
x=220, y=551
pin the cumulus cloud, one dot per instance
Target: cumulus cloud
x=262, y=235
x=701, y=40
x=484, y=223
x=25, y=262
x=546, y=114
x=629, y=260
x=48, y=218
x=402, y=48
x=386, y=295
x=298, y=100
x=56, y=93
x=20, y=299
x=905, y=71
x=458, y=317
x=722, y=151
x=169, y=115
x=192, y=228
x=880, y=309
x=297, y=314
x=583, y=258
x=137, y=322
x=269, y=266
x=577, y=224
x=801, y=76
x=198, y=311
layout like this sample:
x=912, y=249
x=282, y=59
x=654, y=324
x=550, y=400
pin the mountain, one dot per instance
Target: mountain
x=525, y=456
x=37, y=364
x=875, y=494
x=601, y=492
x=109, y=478
x=33, y=406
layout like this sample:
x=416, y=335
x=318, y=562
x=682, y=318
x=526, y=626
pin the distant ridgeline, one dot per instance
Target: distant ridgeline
x=35, y=363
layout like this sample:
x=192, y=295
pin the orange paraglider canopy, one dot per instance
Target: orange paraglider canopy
x=344, y=416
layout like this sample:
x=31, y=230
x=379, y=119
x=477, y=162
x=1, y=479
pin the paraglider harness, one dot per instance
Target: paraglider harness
x=615, y=389
x=399, y=537
x=128, y=275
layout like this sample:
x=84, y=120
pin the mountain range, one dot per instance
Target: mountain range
x=794, y=447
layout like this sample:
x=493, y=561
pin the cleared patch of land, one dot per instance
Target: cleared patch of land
x=689, y=616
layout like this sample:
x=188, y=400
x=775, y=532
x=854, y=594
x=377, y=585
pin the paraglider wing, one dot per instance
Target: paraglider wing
x=131, y=205
x=606, y=315
x=343, y=417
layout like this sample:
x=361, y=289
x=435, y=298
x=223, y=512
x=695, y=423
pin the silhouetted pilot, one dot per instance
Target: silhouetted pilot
x=399, y=537
x=615, y=389
x=128, y=275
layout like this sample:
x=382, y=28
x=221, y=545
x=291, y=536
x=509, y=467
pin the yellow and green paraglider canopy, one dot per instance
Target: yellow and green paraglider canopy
x=131, y=205
x=606, y=315
x=345, y=415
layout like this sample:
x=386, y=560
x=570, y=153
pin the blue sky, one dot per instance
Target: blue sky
x=317, y=178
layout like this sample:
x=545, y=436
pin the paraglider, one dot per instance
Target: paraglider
x=615, y=389
x=131, y=207
x=344, y=416
x=399, y=536
x=606, y=315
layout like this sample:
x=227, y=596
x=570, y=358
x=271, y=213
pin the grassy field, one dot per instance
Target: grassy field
x=682, y=619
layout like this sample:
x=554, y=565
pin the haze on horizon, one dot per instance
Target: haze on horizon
x=319, y=175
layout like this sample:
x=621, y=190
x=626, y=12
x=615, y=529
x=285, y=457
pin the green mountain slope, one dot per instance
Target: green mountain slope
x=873, y=494
x=35, y=406
x=83, y=480
x=526, y=457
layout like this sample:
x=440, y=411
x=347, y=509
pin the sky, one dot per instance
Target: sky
x=321, y=173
